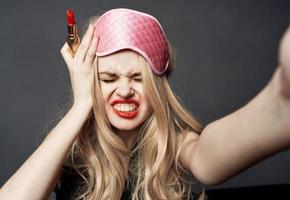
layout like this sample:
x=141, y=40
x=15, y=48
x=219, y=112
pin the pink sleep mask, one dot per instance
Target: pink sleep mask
x=123, y=28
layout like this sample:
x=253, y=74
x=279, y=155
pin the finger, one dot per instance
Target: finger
x=92, y=50
x=65, y=52
x=85, y=44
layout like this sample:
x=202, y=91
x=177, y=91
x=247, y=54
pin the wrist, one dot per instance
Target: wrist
x=82, y=106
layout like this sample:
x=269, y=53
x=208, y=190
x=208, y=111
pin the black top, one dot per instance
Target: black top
x=70, y=182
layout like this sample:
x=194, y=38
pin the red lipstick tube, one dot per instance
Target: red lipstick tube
x=73, y=38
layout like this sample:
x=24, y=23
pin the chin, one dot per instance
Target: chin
x=124, y=128
x=124, y=125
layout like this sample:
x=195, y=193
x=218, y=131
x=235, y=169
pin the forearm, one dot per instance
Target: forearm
x=244, y=137
x=37, y=177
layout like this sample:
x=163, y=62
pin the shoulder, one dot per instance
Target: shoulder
x=187, y=141
x=186, y=136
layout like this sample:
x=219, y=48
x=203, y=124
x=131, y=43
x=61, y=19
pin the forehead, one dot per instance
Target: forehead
x=121, y=62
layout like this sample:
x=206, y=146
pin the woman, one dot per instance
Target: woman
x=127, y=131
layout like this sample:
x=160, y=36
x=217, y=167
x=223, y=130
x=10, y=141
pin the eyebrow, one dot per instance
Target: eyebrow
x=114, y=74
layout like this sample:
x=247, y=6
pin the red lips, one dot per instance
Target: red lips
x=127, y=114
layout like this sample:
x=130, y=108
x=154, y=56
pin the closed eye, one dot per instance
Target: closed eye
x=108, y=80
x=138, y=79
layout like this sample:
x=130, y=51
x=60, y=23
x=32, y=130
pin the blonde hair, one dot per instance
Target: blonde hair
x=98, y=153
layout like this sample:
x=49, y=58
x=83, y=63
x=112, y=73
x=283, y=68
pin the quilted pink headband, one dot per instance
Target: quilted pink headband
x=124, y=28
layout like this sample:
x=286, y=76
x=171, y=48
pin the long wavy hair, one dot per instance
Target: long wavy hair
x=151, y=166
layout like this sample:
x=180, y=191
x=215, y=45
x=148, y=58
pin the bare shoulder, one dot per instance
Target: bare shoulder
x=188, y=142
x=186, y=137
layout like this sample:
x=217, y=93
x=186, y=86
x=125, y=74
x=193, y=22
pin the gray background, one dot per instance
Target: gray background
x=226, y=53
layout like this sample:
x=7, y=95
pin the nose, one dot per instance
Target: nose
x=124, y=89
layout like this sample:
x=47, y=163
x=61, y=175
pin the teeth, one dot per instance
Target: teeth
x=125, y=107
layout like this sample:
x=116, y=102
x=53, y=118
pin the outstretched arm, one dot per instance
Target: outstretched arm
x=250, y=134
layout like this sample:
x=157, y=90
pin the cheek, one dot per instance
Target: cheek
x=139, y=88
x=106, y=91
x=142, y=94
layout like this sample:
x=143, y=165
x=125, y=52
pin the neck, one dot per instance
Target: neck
x=128, y=136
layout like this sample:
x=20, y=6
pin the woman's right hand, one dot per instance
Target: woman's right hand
x=81, y=67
